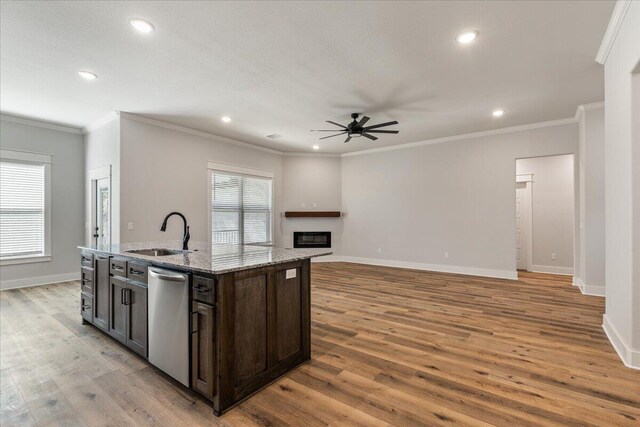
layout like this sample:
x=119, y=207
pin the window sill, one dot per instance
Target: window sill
x=27, y=259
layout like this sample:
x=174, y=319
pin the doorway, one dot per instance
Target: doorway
x=523, y=223
x=544, y=214
x=102, y=230
x=100, y=186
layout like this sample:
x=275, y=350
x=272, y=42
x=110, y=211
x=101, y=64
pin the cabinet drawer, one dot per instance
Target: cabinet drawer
x=118, y=267
x=86, y=307
x=86, y=259
x=137, y=272
x=204, y=289
x=86, y=280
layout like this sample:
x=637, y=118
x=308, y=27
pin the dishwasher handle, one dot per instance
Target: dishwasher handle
x=177, y=277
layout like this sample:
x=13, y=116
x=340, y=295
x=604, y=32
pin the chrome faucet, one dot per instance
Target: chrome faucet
x=186, y=236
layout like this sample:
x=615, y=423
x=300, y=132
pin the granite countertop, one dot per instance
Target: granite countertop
x=214, y=259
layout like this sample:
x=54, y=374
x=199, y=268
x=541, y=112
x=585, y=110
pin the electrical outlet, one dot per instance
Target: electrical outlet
x=379, y=250
x=315, y=205
x=446, y=254
x=130, y=226
x=304, y=205
x=554, y=256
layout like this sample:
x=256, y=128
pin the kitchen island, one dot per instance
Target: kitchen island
x=246, y=310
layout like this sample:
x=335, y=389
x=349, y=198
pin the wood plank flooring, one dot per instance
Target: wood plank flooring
x=390, y=347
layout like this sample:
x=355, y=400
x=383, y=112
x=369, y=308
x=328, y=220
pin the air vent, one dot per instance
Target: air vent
x=274, y=136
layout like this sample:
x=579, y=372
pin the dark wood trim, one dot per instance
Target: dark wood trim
x=312, y=214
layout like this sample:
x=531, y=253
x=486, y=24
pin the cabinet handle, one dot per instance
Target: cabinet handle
x=136, y=272
x=117, y=267
x=87, y=280
x=202, y=289
x=86, y=306
x=127, y=296
x=122, y=296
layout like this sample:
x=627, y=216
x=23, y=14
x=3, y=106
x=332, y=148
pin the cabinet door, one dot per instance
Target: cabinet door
x=101, y=292
x=136, y=303
x=288, y=314
x=118, y=311
x=86, y=307
x=203, y=362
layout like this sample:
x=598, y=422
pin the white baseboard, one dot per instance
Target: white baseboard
x=591, y=290
x=470, y=271
x=630, y=357
x=327, y=258
x=565, y=271
x=37, y=281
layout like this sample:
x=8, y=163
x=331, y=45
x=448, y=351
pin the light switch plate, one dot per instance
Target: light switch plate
x=291, y=274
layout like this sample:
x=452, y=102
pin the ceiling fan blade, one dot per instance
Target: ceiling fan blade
x=347, y=140
x=324, y=130
x=363, y=120
x=337, y=124
x=382, y=131
x=371, y=137
x=381, y=125
x=331, y=136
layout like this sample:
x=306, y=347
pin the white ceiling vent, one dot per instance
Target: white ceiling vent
x=274, y=136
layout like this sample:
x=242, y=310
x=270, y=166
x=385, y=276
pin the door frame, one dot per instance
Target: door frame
x=526, y=215
x=93, y=176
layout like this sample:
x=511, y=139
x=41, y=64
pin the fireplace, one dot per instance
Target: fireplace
x=311, y=239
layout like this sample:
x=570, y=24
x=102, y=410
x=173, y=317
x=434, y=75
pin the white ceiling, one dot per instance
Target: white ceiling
x=285, y=67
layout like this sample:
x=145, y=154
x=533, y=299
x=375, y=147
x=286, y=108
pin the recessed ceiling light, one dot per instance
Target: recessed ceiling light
x=467, y=37
x=316, y=147
x=87, y=75
x=498, y=113
x=142, y=25
x=226, y=119
x=274, y=136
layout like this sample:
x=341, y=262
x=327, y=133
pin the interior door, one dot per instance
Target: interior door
x=103, y=212
x=521, y=246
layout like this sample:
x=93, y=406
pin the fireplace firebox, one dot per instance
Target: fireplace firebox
x=311, y=239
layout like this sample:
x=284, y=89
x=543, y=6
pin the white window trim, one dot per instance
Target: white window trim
x=240, y=170
x=40, y=159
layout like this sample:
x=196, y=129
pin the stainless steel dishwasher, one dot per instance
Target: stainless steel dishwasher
x=169, y=322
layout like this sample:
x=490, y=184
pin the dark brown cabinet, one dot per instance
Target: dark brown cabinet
x=86, y=307
x=118, y=309
x=101, y=291
x=136, y=299
x=248, y=327
x=128, y=314
x=203, y=352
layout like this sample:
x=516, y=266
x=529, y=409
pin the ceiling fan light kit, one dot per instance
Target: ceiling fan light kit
x=356, y=128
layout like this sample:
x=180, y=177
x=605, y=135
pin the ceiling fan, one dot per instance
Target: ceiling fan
x=356, y=128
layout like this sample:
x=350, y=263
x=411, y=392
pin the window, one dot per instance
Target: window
x=241, y=205
x=24, y=207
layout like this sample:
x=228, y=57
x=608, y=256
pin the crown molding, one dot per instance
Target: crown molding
x=101, y=122
x=287, y=154
x=587, y=107
x=39, y=123
x=202, y=134
x=550, y=123
x=619, y=12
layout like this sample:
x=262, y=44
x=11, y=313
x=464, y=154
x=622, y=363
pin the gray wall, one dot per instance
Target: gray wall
x=102, y=148
x=163, y=170
x=590, y=273
x=552, y=211
x=622, y=166
x=67, y=177
x=458, y=197
x=308, y=181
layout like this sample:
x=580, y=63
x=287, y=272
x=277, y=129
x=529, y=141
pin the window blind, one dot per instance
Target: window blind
x=22, y=209
x=240, y=208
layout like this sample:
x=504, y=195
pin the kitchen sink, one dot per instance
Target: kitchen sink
x=157, y=252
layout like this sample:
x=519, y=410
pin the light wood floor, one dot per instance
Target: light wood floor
x=390, y=346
